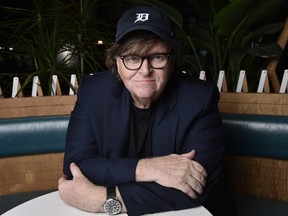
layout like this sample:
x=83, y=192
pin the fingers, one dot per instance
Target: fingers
x=197, y=166
x=190, y=154
x=61, y=180
x=193, y=186
x=196, y=180
x=75, y=170
x=61, y=184
x=187, y=189
x=199, y=173
x=197, y=170
x=178, y=171
x=196, y=184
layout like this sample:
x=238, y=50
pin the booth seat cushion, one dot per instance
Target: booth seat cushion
x=257, y=135
x=32, y=135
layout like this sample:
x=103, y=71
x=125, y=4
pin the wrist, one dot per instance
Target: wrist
x=96, y=198
x=144, y=170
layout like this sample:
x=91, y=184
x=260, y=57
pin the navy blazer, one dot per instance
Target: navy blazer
x=186, y=118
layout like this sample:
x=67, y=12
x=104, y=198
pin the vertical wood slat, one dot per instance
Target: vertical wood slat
x=36, y=87
x=16, y=88
x=263, y=83
x=222, y=83
x=56, y=89
x=74, y=84
x=284, y=83
x=202, y=75
x=242, y=82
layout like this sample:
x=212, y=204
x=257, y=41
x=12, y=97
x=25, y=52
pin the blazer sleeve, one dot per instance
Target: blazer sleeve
x=85, y=148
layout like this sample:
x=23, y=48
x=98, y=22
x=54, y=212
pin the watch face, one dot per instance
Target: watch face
x=112, y=207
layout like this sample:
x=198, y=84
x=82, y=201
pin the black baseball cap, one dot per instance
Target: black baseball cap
x=144, y=18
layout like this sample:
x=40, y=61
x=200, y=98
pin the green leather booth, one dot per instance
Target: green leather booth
x=251, y=135
x=32, y=135
x=257, y=135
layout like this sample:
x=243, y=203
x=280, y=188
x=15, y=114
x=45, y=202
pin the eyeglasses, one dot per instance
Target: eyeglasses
x=156, y=61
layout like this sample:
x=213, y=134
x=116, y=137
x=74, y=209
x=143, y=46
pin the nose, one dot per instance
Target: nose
x=145, y=68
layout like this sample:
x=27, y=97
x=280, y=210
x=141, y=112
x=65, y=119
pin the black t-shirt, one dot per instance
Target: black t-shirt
x=141, y=132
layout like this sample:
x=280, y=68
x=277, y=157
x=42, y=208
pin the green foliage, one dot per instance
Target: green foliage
x=215, y=35
x=227, y=35
x=59, y=37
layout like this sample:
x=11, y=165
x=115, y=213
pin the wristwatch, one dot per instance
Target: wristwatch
x=112, y=206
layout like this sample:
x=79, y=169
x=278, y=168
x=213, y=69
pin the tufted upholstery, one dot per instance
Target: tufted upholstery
x=257, y=135
x=32, y=135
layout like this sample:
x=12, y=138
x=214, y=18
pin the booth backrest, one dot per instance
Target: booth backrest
x=250, y=135
x=32, y=135
x=257, y=135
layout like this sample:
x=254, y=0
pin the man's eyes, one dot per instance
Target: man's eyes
x=150, y=57
x=157, y=57
x=133, y=58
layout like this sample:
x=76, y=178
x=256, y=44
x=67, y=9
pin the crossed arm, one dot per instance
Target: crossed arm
x=180, y=172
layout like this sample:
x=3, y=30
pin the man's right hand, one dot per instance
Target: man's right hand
x=180, y=172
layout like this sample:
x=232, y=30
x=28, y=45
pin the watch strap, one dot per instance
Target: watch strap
x=111, y=193
x=112, y=206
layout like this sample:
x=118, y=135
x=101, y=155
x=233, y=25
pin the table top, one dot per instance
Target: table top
x=51, y=204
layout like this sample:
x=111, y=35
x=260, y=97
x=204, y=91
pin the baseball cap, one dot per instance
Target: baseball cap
x=144, y=18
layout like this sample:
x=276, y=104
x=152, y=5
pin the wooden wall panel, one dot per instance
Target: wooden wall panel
x=254, y=103
x=36, y=106
x=30, y=173
x=250, y=103
x=257, y=176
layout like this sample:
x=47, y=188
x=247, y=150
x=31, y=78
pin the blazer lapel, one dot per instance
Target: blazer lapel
x=117, y=121
x=165, y=126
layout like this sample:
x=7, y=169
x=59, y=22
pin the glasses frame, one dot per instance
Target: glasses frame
x=148, y=57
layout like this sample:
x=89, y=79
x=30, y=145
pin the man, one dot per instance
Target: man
x=145, y=137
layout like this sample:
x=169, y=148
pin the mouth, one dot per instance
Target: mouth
x=145, y=81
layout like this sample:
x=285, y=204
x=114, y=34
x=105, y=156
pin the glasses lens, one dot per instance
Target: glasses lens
x=156, y=61
x=132, y=62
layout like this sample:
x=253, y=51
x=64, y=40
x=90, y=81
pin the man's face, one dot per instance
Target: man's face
x=146, y=83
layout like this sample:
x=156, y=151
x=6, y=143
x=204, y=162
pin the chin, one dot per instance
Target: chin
x=146, y=94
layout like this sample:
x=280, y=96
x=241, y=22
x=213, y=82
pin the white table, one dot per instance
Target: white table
x=51, y=204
